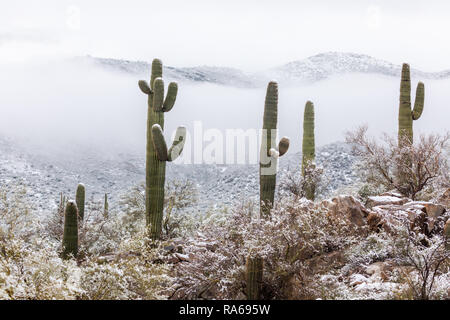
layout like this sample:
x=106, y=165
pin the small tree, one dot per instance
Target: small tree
x=409, y=168
x=427, y=256
x=298, y=183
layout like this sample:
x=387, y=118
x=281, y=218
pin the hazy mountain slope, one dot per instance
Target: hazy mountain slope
x=309, y=70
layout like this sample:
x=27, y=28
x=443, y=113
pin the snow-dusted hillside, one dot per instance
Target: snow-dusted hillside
x=45, y=176
x=309, y=70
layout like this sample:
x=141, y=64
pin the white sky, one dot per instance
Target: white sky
x=247, y=34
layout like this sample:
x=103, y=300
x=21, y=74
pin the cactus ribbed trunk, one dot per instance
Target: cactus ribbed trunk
x=254, y=275
x=405, y=114
x=308, y=146
x=80, y=198
x=155, y=178
x=268, y=176
x=70, y=236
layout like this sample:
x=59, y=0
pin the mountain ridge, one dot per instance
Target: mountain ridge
x=309, y=70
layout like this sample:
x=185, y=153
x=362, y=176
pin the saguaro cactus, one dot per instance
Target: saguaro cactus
x=157, y=153
x=308, y=146
x=254, y=275
x=106, y=206
x=80, y=198
x=70, y=236
x=405, y=115
x=269, y=152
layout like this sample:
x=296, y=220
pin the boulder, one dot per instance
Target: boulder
x=349, y=207
x=447, y=234
x=445, y=198
x=447, y=229
x=385, y=200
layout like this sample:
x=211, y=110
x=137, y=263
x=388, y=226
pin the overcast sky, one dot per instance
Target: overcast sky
x=247, y=34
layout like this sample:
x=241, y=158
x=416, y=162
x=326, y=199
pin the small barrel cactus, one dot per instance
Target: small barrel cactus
x=254, y=276
x=406, y=115
x=269, y=151
x=157, y=154
x=80, y=198
x=70, y=236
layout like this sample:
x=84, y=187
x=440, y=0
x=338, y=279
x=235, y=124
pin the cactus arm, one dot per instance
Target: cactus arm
x=178, y=144
x=158, y=96
x=159, y=142
x=143, y=85
x=283, y=146
x=161, y=147
x=419, y=101
x=170, y=97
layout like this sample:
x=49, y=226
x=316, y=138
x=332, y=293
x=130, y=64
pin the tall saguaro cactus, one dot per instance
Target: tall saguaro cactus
x=254, y=276
x=70, y=236
x=269, y=152
x=80, y=198
x=406, y=115
x=157, y=153
x=308, y=146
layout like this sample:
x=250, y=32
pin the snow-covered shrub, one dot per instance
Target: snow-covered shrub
x=134, y=271
x=297, y=232
x=179, y=194
x=113, y=264
x=409, y=168
x=295, y=183
x=30, y=266
x=429, y=259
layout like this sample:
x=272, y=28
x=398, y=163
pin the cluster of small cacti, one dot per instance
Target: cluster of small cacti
x=73, y=214
x=157, y=153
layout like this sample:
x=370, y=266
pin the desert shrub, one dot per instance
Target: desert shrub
x=112, y=264
x=179, y=195
x=134, y=271
x=295, y=183
x=298, y=231
x=30, y=267
x=408, y=168
x=429, y=259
